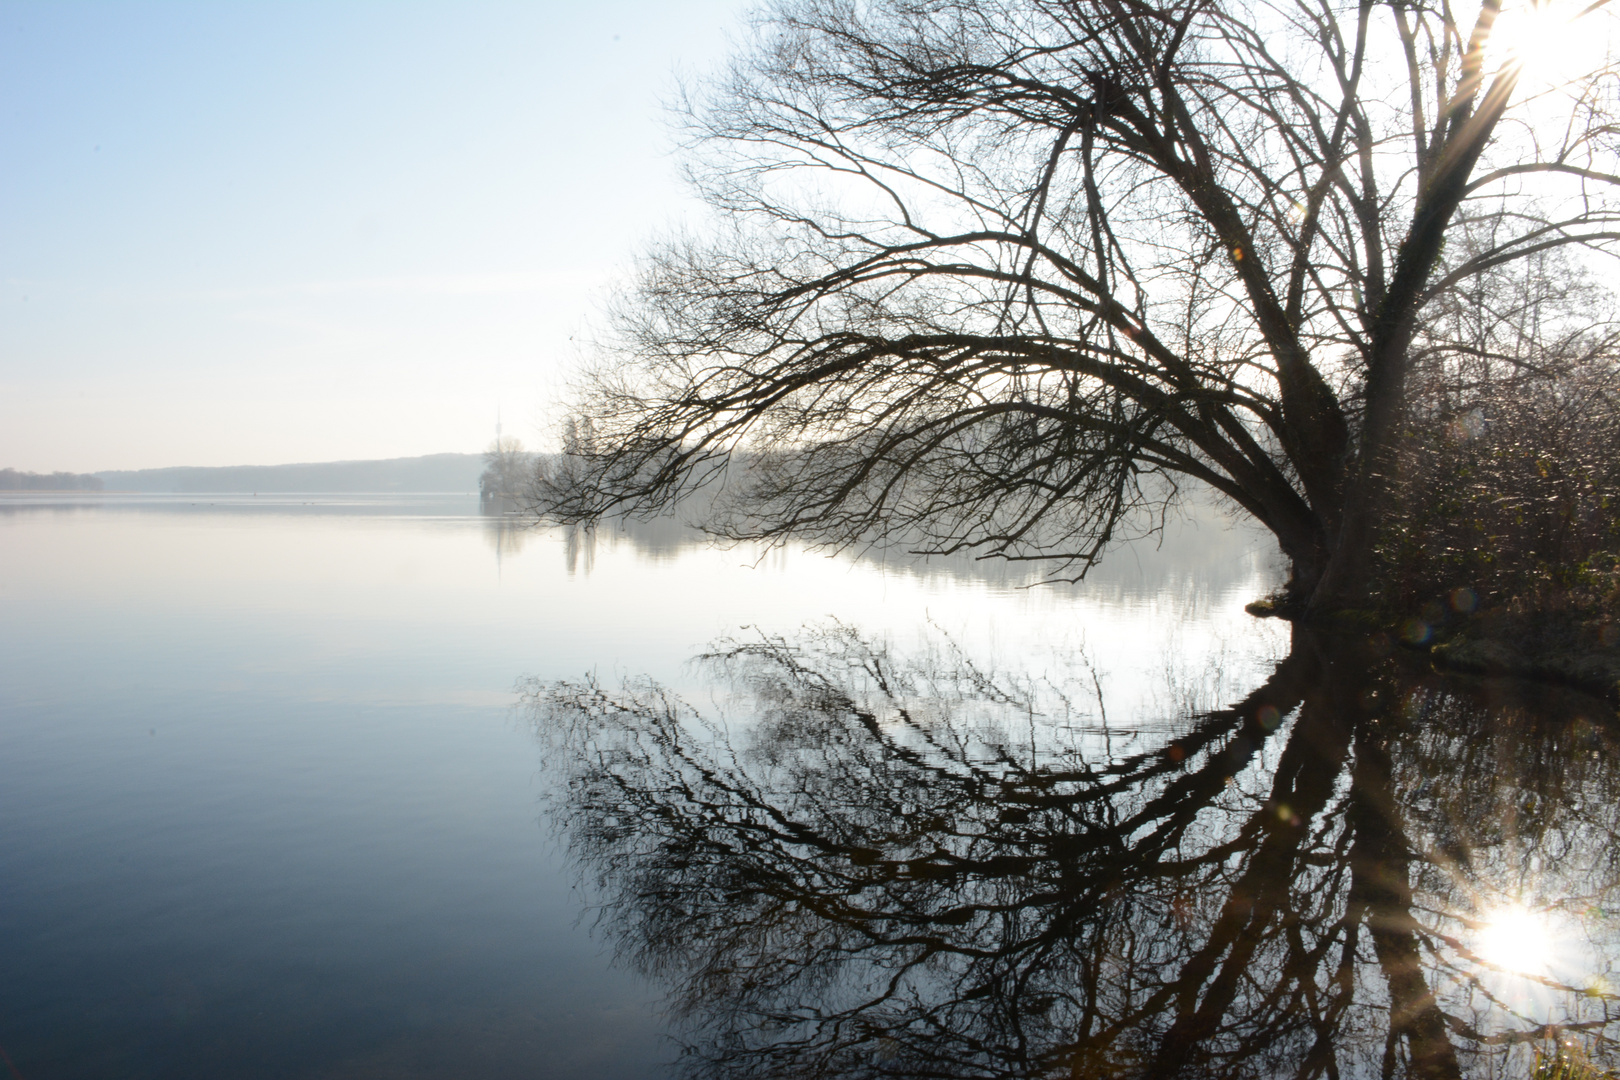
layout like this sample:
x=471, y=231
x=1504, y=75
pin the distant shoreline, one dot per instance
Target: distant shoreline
x=90, y=493
x=427, y=474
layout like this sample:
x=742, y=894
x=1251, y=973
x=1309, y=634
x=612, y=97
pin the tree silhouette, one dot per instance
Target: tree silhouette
x=1007, y=277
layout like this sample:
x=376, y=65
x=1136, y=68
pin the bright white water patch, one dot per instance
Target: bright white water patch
x=1516, y=940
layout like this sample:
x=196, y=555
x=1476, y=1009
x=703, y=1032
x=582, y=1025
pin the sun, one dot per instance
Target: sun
x=1516, y=940
x=1548, y=41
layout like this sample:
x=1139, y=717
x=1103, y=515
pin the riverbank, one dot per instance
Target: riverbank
x=1595, y=671
x=1583, y=654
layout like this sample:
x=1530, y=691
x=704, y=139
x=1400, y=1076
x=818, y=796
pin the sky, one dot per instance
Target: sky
x=264, y=233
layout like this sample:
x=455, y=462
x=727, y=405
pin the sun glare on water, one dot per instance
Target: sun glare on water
x=1516, y=940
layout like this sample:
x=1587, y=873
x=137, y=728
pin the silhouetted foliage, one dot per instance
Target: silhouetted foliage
x=1507, y=479
x=1516, y=498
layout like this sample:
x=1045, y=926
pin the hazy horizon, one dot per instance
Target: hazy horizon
x=297, y=464
x=259, y=465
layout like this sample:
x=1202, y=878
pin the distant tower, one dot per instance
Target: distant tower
x=486, y=482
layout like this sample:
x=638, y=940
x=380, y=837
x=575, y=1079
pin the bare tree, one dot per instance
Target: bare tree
x=1008, y=276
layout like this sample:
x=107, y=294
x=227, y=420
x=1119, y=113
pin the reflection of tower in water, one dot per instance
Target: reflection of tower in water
x=579, y=545
x=507, y=534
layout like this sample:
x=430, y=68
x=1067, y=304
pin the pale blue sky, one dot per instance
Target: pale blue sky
x=240, y=233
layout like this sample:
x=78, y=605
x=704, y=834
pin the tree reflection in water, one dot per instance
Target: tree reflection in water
x=882, y=867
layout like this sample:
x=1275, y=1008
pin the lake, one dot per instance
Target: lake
x=359, y=786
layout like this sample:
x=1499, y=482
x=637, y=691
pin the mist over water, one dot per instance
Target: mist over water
x=378, y=786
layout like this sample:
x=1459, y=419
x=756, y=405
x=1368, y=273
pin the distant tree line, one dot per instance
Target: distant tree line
x=508, y=469
x=427, y=473
x=12, y=480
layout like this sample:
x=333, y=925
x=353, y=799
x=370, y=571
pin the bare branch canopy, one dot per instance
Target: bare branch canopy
x=1007, y=276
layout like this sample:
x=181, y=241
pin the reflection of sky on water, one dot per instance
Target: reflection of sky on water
x=267, y=806
x=639, y=603
x=1157, y=619
x=266, y=809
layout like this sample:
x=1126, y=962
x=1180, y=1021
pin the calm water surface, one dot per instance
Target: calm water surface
x=377, y=787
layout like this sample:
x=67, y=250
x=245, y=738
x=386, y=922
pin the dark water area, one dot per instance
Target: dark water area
x=377, y=786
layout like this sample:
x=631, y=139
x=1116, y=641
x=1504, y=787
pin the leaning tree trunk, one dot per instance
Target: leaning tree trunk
x=1447, y=169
